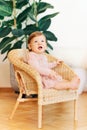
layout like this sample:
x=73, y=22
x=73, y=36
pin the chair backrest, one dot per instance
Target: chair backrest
x=26, y=78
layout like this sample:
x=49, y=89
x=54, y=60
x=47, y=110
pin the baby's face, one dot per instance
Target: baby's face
x=38, y=44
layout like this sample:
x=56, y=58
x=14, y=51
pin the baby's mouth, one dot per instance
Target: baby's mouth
x=40, y=47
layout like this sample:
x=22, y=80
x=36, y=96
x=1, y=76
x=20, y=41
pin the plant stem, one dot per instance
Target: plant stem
x=35, y=12
x=14, y=13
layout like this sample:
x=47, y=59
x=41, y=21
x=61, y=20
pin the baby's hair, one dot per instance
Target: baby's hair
x=34, y=34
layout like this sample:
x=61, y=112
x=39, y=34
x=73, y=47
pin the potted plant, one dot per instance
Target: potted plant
x=19, y=18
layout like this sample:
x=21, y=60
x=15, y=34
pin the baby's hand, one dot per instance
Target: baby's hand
x=59, y=62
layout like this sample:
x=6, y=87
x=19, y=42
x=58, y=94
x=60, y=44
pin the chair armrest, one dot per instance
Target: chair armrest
x=65, y=71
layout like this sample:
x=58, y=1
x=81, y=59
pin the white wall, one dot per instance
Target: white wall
x=70, y=26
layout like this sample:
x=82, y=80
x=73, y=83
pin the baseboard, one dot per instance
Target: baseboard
x=6, y=89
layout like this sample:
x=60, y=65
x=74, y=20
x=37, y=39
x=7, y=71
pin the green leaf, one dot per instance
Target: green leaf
x=50, y=46
x=48, y=16
x=43, y=6
x=5, y=58
x=32, y=17
x=50, y=36
x=6, y=8
x=21, y=3
x=19, y=25
x=1, y=17
x=44, y=25
x=5, y=41
x=22, y=16
x=47, y=51
x=6, y=48
x=17, y=32
x=8, y=23
x=17, y=45
x=31, y=14
x=4, y=31
x=30, y=29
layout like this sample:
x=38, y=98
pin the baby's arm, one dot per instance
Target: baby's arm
x=55, y=63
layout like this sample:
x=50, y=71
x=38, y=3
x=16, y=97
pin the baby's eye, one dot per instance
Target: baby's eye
x=42, y=40
x=35, y=41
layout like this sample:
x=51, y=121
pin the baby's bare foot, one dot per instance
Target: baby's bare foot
x=75, y=83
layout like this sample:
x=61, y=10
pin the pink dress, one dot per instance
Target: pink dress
x=40, y=63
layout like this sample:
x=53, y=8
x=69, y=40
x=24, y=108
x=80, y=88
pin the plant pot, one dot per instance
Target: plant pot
x=13, y=80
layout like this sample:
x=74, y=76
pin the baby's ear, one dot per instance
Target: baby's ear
x=29, y=46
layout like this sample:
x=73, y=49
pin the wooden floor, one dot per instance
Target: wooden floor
x=55, y=117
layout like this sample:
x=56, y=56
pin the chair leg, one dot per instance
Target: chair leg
x=16, y=105
x=75, y=110
x=75, y=114
x=39, y=116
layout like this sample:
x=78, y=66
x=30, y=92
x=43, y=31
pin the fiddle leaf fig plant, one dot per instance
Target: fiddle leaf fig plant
x=19, y=18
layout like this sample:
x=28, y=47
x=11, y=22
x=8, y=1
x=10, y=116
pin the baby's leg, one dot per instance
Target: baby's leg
x=73, y=84
x=62, y=85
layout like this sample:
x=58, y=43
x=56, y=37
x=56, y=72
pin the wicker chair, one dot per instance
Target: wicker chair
x=29, y=82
